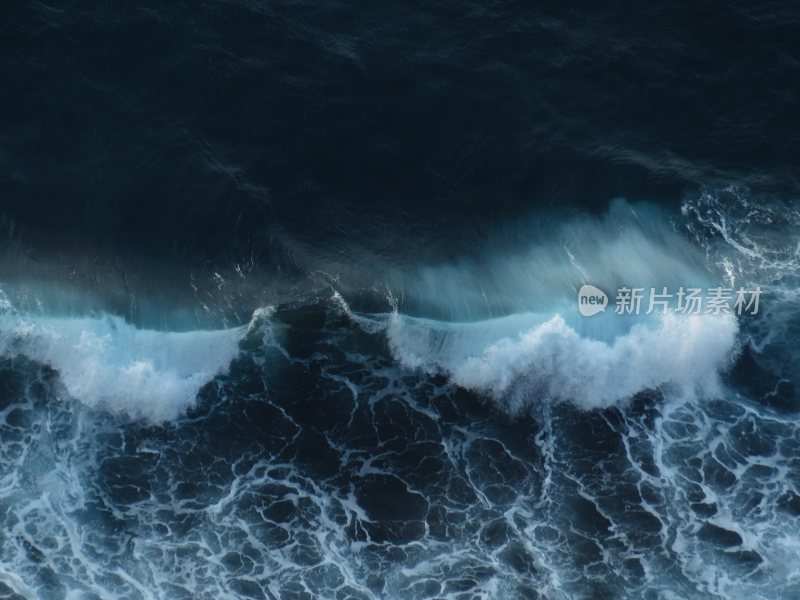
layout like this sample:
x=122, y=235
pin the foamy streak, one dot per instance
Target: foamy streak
x=753, y=240
x=108, y=363
x=550, y=361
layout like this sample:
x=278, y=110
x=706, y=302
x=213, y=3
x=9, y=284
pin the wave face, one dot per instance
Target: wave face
x=289, y=301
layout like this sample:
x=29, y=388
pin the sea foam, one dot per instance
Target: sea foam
x=108, y=363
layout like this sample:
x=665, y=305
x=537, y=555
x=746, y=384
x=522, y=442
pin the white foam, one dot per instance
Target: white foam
x=550, y=361
x=108, y=363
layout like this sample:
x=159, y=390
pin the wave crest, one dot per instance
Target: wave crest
x=550, y=361
x=108, y=363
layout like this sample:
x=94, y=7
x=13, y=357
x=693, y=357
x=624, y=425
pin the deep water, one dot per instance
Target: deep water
x=288, y=300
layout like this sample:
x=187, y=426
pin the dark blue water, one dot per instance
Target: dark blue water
x=288, y=300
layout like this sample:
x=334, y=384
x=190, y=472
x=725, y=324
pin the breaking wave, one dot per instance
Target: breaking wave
x=108, y=363
x=552, y=361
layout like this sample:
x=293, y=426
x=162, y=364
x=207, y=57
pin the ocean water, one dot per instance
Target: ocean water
x=289, y=300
